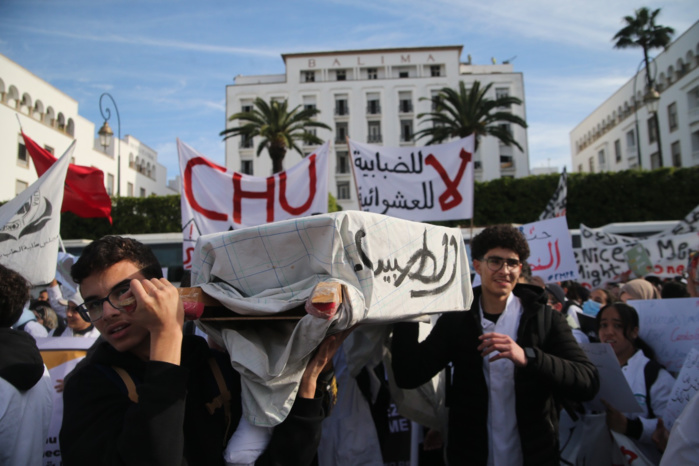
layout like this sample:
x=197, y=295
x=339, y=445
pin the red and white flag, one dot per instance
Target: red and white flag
x=415, y=183
x=215, y=199
x=30, y=225
x=85, y=194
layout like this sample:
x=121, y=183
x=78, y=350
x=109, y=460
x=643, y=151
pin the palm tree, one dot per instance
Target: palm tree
x=279, y=128
x=641, y=31
x=460, y=113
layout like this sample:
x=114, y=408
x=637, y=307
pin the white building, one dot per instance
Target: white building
x=619, y=132
x=374, y=96
x=51, y=119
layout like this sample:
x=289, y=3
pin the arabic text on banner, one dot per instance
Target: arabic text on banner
x=391, y=269
x=215, y=200
x=30, y=225
x=551, y=249
x=415, y=183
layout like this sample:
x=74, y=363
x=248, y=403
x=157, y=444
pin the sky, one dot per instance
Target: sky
x=167, y=62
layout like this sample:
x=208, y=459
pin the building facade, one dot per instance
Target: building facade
x=51, y=119
x=373, y=96
x=621, y=133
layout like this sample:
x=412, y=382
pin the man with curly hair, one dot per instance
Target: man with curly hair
x=26, y=396
x=512, y=358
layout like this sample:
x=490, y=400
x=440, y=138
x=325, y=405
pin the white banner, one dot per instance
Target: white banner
x=668, y=256
x=415, y=183
x=30, y=225
x=670, y=327
x=551, y=250
x=688, y=224
x=215, y=200
x=596, y=237
x=686, y=386
x=556, y=206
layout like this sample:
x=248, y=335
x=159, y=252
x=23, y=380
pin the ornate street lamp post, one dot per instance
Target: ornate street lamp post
x=106, y=134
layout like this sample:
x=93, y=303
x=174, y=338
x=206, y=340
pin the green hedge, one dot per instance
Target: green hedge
x=593, y=199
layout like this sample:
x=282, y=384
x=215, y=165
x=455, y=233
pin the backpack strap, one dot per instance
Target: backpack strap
x=128, y=381
x=650, y=374
x=224, y=397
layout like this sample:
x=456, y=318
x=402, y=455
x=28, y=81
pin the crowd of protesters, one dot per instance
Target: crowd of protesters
x=513, y=361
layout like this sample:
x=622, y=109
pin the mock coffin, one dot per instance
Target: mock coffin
x=390, y=269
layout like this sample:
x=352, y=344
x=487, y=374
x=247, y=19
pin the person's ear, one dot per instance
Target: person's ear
x=634, y=333
x=558, y=307
x=477, y=266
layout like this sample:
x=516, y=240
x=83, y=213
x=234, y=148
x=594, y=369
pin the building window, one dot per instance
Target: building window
x=506, y=127
x=374, y=131
x=693, y=101
x=654, y=160
x=342, y=165
x=477, y=165
x=143, y=192
x=434, y=98
x=672, y=116
x=246, y=167
x=580, y=168
x=22, y=158
x=20, y=186
x=405, y=102
x=49, y=149
x=676, y=155
x=591, y=164
x=373, y=104
x=631, y=143
x=309, y=76
x=246, y=141
x=601, y=160
x=341, y=107
x=129, y=189
x=341, y=133
x=246, y=107
x=372, y=73
x=110, y=184
x=652, y=133
x=406, y=130
x=343, y=190
x=435, y=71
x=617, y=151
x=501, y=92
x=341, y=75
x=506, y=161
x=403, y=74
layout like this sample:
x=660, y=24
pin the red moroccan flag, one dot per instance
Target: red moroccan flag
x=85, y=194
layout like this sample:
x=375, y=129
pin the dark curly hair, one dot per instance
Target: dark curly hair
x=499, y=236
x=109, y=250
x=14, y=293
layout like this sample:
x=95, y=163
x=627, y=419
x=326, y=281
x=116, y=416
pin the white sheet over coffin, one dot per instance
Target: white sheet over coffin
x=392, y=270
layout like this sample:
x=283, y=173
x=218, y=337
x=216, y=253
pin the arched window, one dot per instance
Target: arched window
x=3, y=92
x=13, y=97
x=70, y=127
x=26, y=106
x=61, y=122
x=50, y=118
x=38, y=112
x=131, y=160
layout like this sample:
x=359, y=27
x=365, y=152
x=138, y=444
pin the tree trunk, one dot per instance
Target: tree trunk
x=277, y=154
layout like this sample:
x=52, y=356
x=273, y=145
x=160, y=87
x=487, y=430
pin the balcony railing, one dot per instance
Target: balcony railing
x=374, y=138
x=405, y=106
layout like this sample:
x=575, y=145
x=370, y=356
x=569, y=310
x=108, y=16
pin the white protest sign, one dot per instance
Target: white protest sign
x=686, y=386
x=670, y=327
x=61, y=355
x=214, y=199
x=415, y=183
x=551, y=249
x=596, y=237
x=614, y=389
x=669, y=255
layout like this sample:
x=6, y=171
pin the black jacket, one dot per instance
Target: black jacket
x=170, y=424
x=560, y=369
x=20, y=359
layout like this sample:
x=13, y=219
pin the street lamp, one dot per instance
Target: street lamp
x=651, y=100
x=106, y=134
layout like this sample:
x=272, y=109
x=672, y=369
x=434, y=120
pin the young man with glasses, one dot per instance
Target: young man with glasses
x=180, y=401
x=510, y=355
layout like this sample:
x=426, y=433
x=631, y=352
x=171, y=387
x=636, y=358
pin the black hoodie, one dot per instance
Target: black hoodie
x=20, y=360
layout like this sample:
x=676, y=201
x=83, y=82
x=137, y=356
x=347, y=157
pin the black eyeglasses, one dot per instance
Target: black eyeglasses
x=495, y=263
x=92, y=310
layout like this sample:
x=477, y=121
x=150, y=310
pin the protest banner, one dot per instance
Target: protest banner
x=215, y=200
x=390, y=269
x=30, y=225
x=670, y=327
x=556, y=206
x=598, y=265
x=596, y=237
x=551, y=249
x=60, y=355
x=686, y=386
x=614, y=388
x=688, y=224
x=415, y=183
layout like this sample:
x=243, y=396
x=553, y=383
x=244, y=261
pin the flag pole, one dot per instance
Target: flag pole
x=60, y=241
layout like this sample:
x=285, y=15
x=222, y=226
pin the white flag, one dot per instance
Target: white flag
x=557, y=204
x=415, y=183
x=216, y=200
x=30, y=225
